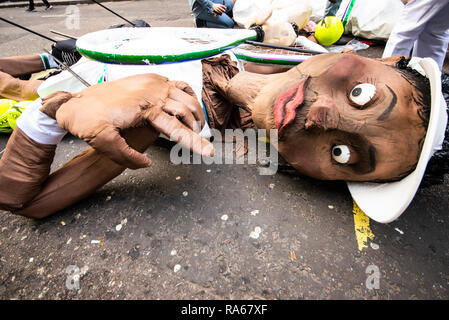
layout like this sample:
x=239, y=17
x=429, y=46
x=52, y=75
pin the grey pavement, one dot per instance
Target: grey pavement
x=38, y=3
x=183, y=231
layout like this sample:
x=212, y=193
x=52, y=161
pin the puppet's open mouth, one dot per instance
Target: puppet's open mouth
x=284, y=111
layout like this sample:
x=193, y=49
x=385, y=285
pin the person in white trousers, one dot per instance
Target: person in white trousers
x=423, y=26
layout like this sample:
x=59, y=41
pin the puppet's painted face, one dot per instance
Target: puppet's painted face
x=344, y=117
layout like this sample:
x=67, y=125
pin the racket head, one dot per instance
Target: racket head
x=270, y=56
x=158, y=45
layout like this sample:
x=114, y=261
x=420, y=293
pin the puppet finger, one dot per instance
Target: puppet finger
x=183, y=113
x=52, y=102
x=190, y=101
x=114, y=146
x=179, y=133
x=184, y=86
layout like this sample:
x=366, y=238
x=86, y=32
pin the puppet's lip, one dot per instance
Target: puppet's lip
x=284, y=110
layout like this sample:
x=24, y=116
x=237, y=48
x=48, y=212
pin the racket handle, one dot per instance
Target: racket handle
x=259, y=31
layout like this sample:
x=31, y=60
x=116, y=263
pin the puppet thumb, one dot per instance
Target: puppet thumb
x=114, y=146
x=52, y=102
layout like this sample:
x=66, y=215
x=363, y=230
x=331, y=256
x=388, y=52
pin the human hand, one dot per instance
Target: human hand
x=219, y=8
x=100, y=113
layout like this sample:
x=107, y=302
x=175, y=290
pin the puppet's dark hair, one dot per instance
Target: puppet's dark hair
x=438, y=165
x=422, y=86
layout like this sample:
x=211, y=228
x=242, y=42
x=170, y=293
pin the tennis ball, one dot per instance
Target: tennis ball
x=328, y=30
x=5, y=105
x=15, y=111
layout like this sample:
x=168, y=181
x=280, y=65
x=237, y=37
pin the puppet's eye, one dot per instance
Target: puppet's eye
x=362, y=93
x=341, y=154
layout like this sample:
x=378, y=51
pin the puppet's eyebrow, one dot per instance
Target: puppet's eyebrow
x=393, y=102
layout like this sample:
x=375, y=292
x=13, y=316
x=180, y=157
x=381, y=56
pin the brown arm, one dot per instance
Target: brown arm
x=21, y=65
x=82, y=176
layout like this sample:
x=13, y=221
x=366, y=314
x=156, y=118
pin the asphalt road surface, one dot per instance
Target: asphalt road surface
x=210, y=231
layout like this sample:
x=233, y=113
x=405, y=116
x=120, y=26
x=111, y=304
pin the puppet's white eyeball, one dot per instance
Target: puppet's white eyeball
x=341, y=154
x=362, y=93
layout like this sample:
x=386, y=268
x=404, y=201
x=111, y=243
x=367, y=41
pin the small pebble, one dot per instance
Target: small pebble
x=374, y=246
x=31, y=260
x=178, y=178
x=177, y=268
x=118, y=227
x=271, y=185
x=255, y=234
x=185, y=193
x=330, y=206
x=224, y=217
x=208, y=170
x=173, y=252
x=84, y=270
x=254, y=212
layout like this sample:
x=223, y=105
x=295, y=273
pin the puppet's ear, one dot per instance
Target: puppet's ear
x=390, y=61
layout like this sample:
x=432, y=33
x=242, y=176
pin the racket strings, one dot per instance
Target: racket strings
x=273, y=51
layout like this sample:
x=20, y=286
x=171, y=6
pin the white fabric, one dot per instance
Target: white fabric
x=318, y=9
x=247, y=12
x=423, y=26
x=38, y=126
x=370, y=19
x=90, y=71
x=385, y=202
x=245, y=9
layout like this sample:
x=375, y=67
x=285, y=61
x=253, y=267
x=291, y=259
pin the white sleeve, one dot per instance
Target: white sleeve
x=38, y=126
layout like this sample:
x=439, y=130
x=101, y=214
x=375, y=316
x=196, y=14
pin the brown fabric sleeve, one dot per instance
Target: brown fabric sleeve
x=81, y=176
x=21, y=65
x=23, y=168
x=221, y=113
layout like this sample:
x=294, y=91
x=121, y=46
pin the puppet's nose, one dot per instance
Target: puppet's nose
x=323, y=114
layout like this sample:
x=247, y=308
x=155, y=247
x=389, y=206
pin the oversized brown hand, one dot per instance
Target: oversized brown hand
x=100, y=113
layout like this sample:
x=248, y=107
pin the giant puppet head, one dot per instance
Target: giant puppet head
x=346, y=117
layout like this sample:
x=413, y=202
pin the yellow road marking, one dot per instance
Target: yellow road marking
x=361, y=227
